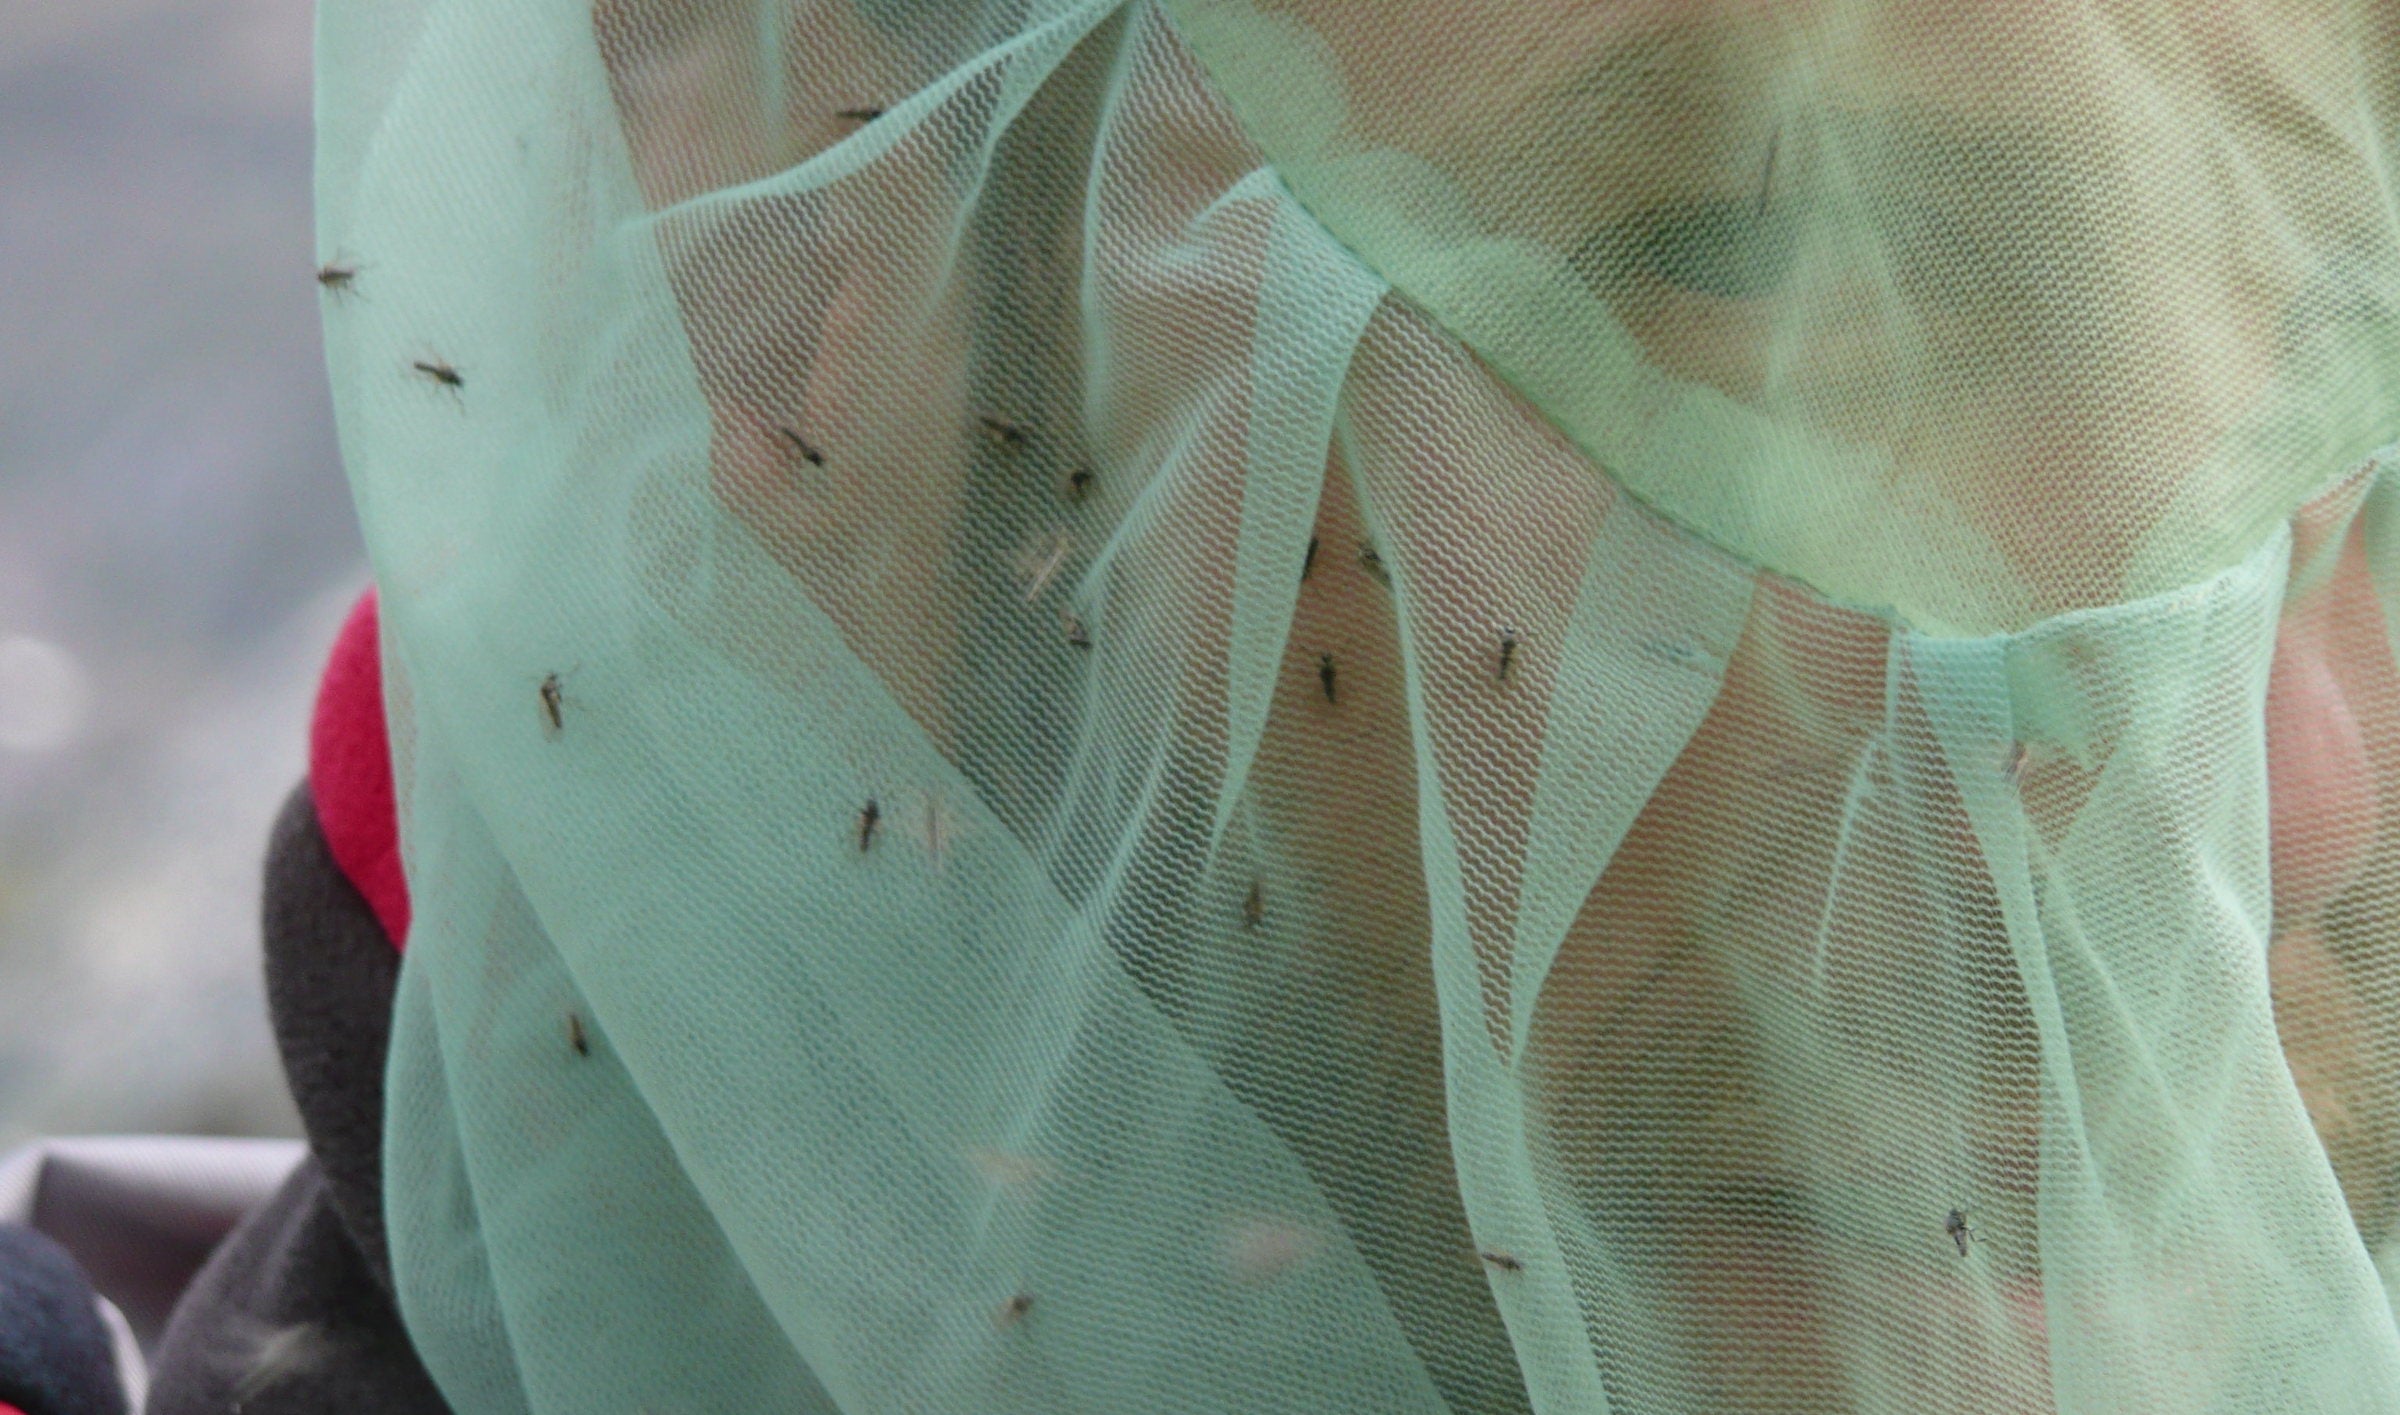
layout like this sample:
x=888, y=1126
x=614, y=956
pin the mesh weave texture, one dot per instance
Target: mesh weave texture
x=1675, y=706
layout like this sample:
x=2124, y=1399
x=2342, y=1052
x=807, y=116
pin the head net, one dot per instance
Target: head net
x=1440, y=705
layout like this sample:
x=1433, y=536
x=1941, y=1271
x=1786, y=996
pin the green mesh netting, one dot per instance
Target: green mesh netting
x=1435, y=705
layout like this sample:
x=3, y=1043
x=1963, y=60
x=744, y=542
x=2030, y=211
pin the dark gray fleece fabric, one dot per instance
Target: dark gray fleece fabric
x=294, y=1311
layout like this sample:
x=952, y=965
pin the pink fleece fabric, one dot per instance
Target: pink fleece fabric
x=350, y=772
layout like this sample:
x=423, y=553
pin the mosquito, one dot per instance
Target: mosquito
x=1014, y=1309
x=868, y=815
x=1501, y=1261
x=1956, y=1226
x=1007, y=434
x=554, y=706
x=336, y=276
x=1308, y=562
x=1325, y=674
x=808, y=451
x=1508, y=651
x=575, y=1036
x=441, y=372
x=859, y=115
x=1079, y=483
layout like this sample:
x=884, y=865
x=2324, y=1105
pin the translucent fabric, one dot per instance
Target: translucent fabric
x=1207, y=705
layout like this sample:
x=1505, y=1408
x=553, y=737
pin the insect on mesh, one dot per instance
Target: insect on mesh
x=1283, y=705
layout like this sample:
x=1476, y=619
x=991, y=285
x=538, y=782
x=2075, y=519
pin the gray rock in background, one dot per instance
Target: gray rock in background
x=176, y=547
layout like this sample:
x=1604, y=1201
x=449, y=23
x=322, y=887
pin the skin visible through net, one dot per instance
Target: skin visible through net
x=1650, y=994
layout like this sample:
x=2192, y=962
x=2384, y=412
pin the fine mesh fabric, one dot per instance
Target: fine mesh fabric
x=1135, y=706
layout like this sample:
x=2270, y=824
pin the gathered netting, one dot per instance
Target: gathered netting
x=1280, y=705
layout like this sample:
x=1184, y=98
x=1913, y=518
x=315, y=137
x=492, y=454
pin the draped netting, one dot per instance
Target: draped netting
x=1294, y=705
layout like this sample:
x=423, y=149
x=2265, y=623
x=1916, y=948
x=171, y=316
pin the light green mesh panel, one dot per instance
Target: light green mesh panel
x=1204, y=705
x=1984, y=311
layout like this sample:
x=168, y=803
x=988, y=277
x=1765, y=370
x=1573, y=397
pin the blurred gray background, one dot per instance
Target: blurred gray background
x=176, y=549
